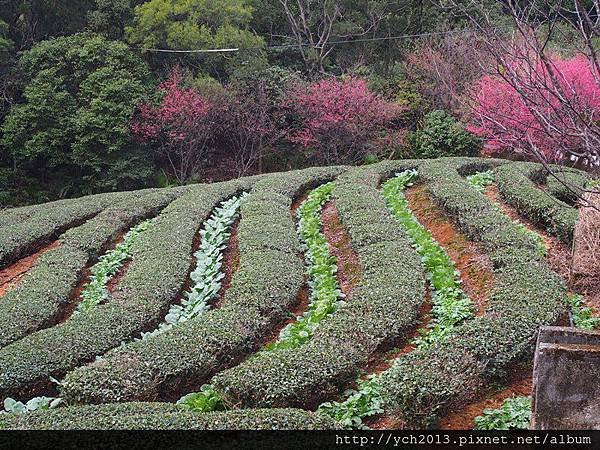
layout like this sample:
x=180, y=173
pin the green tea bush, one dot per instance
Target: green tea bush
x=479, y=181
x=526, y=295
x=207, y=276
x=517, y=186
x=40, y=296
x=159, y=268
x=384, y=307
x=163, y=416
x=567, y=184
x=24, y=230
x=325, y=296
x=451, y=305
x=263, y=289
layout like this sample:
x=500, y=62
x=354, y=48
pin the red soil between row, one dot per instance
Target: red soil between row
x=12, y=275
x=520, y=381
x=520, y=384
x=349, y=269
x=476, y=274
x=476, y=269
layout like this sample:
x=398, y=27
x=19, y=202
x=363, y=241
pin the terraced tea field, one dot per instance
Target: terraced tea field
x=397, y=295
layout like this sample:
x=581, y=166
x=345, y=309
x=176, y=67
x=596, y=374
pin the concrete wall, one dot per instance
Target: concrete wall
x=566, y=379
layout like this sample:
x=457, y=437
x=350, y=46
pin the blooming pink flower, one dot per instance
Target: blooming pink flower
x=512, y=121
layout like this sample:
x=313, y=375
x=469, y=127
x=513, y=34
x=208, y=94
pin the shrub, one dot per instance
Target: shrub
x=517, y=186
x=527, y=294
x=187, y=355
x=567, y=185
x=32, y=227
x=440, y=135
x=163, y=416
x=325, y=294
x=47, y=288
x=160, y=265
x=384, y=307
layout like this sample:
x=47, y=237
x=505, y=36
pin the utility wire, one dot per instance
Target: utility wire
x=285, y=46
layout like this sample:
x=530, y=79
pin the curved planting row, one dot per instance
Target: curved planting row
x=325, y=296
x=263, y=289
x=420, y=387
x=516, y=185
x=481, y=181
x=46, y=289
x=160, y=265
x=96, y=290
x=163, y=416
x=451, y=305
x=567, y=184
x=11, y=217
x=383, y=309
x=207, y=275
x=22, y=230
x=325, y=293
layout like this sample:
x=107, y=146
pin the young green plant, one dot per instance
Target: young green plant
x=207, y=276
x=325, y=296
x=96, y=291
x=451, y=305
x=514, y=414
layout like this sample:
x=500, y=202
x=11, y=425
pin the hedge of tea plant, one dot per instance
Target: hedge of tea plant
x=480, y=181
x=325, y=293
x=24, y=230
x=220, y=346
x=567, y=184
x=160, y=265
x=516, y=183
x=527, y=294
x=46, y=289
x=451, y=305
x=263, y=289
x=163, y=416
x=384, y=307
x=207, y=276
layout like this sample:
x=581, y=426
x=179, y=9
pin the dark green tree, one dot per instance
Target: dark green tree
x=441, y=135
x=80, y=94
x=110, y=17
x=198, y=25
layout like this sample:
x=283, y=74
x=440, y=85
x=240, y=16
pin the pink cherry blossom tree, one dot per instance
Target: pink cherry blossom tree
x=182, y=127
x=549, y=106
x=338, y=119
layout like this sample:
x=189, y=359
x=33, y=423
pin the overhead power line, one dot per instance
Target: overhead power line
x=286, y=46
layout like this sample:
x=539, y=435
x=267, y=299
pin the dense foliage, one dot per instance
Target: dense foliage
x=223, y=350
x=80, y=93
x=104, y=95
x=441, y=135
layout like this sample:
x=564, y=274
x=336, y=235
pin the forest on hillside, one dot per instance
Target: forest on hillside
x=110, y=95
